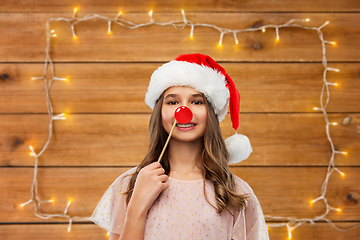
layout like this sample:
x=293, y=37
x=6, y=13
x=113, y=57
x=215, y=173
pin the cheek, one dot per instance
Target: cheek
x=203, y=115
x=166, y=116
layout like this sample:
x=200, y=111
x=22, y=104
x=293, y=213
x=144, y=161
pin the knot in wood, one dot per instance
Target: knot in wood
x=257, y=24
x=4, y=76
x=257, y=46
x=16, y=142
x=352, y=198
x=346, y=120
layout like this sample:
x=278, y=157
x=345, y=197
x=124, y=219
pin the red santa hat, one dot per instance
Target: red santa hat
x=205, y=75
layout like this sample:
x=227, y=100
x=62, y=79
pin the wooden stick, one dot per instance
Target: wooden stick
x=167, y=141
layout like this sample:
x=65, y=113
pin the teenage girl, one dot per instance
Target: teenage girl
x=191, y=193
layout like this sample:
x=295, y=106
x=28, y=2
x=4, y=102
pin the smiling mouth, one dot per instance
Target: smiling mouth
x=186, y=125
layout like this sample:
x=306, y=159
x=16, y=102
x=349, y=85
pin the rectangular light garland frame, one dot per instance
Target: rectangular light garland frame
x=291, y=222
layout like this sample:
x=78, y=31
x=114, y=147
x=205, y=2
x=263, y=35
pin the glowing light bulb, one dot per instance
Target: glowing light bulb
x=32, y=151
x=75, y=11
x=333, y=69
x=109, y=27
x=75, y=37
x=334, y=123
x=263, y=30
x=108, y=234
x=342, y=174
x=24, y=204
x=182, y=11
x=338, y=209
x=52, y=200
x=119, y=14
x=151, y=13
x=277, y=38
x=289, y=233
x=317, y=199
x=307, y=20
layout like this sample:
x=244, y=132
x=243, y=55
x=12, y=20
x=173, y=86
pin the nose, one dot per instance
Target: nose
x=183, y=114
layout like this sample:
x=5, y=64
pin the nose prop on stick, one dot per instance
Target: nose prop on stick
x=182, y=114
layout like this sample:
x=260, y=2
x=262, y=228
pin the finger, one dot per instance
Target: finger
x=153, y=166
x=163, y=178
x=159, y=171
x=165, y=186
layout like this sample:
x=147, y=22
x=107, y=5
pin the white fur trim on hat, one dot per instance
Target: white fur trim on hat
x=203, y=79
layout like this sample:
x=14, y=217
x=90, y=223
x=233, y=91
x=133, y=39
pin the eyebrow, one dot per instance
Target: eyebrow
x=170, y=95
x=198, y=95
x=175, y=95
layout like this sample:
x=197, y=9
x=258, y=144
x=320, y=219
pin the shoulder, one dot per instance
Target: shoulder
x=241, y=186
x=124, y=178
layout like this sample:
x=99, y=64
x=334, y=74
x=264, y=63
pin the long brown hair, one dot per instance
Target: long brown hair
x=214, y=158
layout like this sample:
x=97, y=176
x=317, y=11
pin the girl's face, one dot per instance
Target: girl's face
x=175, y=97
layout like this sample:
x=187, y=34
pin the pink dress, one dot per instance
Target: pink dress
x=182, y=212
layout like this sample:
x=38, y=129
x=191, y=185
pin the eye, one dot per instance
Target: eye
x=197, y=102
x=172, y=103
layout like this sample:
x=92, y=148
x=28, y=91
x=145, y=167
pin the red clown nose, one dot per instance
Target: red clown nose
x=183, y=114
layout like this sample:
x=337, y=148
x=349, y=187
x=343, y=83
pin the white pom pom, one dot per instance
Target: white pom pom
x=239, y=148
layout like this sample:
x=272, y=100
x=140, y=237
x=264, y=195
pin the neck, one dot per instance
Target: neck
x=184, y=157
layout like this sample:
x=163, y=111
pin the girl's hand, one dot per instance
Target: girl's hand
x=150, y=182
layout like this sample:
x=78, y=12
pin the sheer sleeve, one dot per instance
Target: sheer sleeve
x=250, y=222
x=111, y=210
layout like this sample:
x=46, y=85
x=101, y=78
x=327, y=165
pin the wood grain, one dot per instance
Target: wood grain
x=25, y=37
x=121, y=87
x=105, y=132
x=188, y=5
x=321, y=231
x=282, y=191
x=122, y=139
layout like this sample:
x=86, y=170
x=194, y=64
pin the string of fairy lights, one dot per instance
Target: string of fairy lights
x=291, y=223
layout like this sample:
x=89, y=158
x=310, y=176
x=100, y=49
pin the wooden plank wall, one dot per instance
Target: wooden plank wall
x=105, y=131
